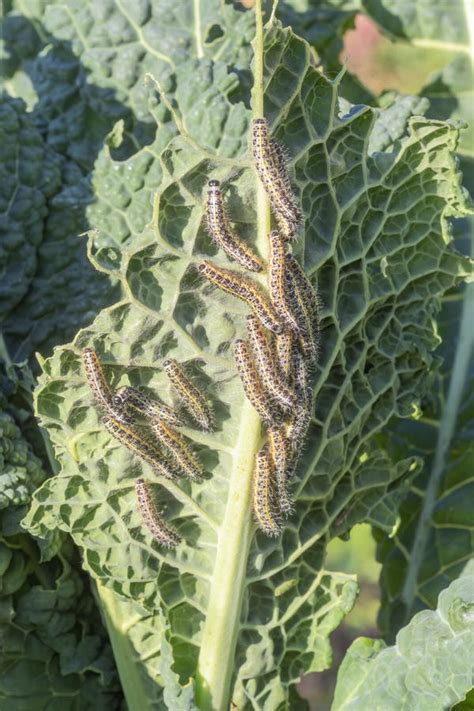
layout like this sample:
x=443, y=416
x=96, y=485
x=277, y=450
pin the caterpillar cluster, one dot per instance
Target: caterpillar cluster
x=147, y=427
x=275, y=361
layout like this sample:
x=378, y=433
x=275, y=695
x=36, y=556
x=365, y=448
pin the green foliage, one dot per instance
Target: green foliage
x=406, y=20
x=429, y=667
x=76, y=92
x=434, y=539
x=376, y=236
x=29, y=175
x=323, y=24
x=54, y=650
x=127, y=112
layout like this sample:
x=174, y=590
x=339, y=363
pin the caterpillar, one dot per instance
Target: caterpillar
x=271, y=168
x=265, y=361
x=179, y=449
x=302, y=309
x=132, y=400
x=301, y=420
x=99, y=386
x=306, y=288
x=244, y=289
x=221, y=232
x=192, y=399
x=251, y=382
x=280, y=454
x=161, y=532
x=288, y=226
x=278, y=281
x=145, y=449
x=284, y=345
x=263, y=495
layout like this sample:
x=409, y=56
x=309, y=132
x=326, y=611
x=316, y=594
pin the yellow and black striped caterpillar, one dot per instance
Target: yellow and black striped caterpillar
x=161, y=532
x=190, y=395
x=245, y=289
x=221, y=232
x=271, y=168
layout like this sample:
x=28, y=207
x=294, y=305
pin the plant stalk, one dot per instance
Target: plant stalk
x=217, y=657
x=125, y=656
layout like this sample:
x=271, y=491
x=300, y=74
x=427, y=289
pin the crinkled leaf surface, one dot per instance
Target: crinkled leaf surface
x=390, y=125
x=429, y=668
x=243, y=611
x=55, y=651
x=435, y=536
x=323, y=24
x=81, y=68
x=29, y=174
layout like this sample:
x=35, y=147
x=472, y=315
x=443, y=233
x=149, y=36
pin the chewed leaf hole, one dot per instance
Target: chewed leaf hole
x=214, y=33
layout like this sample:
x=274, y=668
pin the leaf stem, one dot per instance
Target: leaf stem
x=197, y=29
x=263, y=206
x=216, y=660
x=117, y=615
x=217, y=657
x=257, y=91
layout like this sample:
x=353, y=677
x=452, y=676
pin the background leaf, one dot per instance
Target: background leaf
x=429, y=667
x=434, y=539
x=54, y=648
x=81, y=68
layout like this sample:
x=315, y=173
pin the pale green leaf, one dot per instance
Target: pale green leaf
x=429, y=668
x=81, y=68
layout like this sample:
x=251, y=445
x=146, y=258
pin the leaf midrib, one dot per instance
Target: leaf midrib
x=216, y=660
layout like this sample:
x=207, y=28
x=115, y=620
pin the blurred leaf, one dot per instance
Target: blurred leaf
x=29, y=174
x=379, y=277
x=434, y=539
x=432, y=26
x=429, y=667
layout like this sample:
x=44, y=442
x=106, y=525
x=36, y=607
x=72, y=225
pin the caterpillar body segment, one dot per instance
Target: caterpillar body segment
x=179, y=449
x=284, y=345
x=219, y=228
x=288, y=226
x=280, y=293
x=103, y=394
x=190, y=396
x=161, y=532
x=245, y=289
x=135, y=402
x=280, y=158
x=307, y=334
x=299, y=423
x=306, y=289
x=138, y=444
x=251, y=382
x=265, y=511
x=266, y=364
x=271, y=168
x=281, y=454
